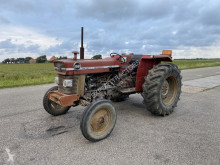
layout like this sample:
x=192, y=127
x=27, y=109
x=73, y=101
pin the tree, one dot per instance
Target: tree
x=27, y=59
x=6, y=61
x=16, y=61
x=98, y=56
x=62, y=57
x=12, y=60
x=41, y=59
x=20, y=60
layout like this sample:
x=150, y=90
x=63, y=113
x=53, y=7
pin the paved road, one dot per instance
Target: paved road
x=191, y=135
x=191, y=74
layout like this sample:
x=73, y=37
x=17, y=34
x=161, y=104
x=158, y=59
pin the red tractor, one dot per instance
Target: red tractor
x=95, y=83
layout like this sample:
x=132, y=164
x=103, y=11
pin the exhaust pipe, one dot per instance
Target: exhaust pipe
x=81, y=48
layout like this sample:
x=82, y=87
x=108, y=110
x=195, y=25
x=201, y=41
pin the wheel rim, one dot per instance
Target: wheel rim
x=169, y=90
x=101, y=121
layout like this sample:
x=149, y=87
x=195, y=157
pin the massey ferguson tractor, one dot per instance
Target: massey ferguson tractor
x=95, y=83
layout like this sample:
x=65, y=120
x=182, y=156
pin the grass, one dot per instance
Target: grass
x=190, y=64
x=14, y=75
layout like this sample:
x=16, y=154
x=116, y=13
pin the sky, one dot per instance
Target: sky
x=191, y=28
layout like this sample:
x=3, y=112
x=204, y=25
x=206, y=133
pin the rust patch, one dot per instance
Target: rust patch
x=62, y=99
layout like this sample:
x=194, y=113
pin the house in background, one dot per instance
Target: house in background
x=32, y=60
x=20, y=61
x=11, y=61
x=52, y=59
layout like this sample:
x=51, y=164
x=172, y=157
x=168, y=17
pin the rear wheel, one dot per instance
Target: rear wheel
x=162, y=88
x=52, y=107
x=98, y=120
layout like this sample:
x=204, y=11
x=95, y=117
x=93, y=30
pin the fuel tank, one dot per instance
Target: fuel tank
x=89, y=66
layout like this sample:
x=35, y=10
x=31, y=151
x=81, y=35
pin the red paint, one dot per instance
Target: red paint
x=93, y=63
x=146, y=63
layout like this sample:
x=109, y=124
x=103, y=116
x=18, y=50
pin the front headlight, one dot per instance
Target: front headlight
x=67, y=83
x=56, y=80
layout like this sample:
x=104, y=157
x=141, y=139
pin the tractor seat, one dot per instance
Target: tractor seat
x=134, y=58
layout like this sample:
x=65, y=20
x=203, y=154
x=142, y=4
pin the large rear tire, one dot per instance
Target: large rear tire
x=162, y=88
x=52, y=107
x=98, y=120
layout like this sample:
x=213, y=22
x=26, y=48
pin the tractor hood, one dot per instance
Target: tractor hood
x=76, y=67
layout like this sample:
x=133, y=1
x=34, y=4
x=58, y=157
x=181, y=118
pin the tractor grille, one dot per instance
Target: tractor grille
x=68, y=90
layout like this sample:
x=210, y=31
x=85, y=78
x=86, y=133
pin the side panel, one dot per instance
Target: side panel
x=144, y=67
x=81, y=85
x=78, y=84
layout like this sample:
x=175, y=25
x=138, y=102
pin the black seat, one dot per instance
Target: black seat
x=134, y=58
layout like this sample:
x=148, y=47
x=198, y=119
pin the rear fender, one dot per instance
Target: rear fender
x=147, y=62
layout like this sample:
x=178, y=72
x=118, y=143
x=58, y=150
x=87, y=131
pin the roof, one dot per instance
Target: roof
x=32, y=59
x=52, y=58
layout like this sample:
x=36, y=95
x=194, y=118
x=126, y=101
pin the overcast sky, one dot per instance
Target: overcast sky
x=191, y=28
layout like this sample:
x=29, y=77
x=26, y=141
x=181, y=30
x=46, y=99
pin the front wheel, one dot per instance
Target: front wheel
x=98, y=120
x=52, y=107
x=162, y=88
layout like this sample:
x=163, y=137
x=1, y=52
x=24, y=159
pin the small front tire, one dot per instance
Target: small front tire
x=52, y=107
x=98, y=120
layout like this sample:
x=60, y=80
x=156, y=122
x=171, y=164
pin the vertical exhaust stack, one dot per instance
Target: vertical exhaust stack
x=81, y=48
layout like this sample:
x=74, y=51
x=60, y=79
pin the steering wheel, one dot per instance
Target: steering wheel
x=120, y=56
x=112, y=54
